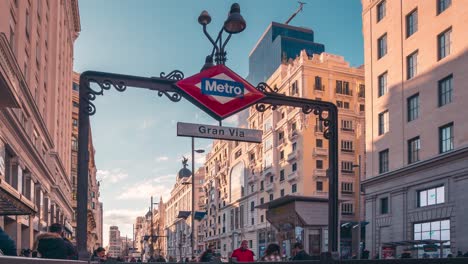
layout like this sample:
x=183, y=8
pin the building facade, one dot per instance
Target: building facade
x=277, y=191
x=36, y=61
x=115, y=242
x=178, y=216
x=416, y=128
x=94, y=213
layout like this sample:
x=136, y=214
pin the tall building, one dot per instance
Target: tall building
x=277, y=191
x=36, y=61
x=94, y=213
x=115, y=243
x=278, y=44
x=178, y=215
x=416, y=127
x=159, y=224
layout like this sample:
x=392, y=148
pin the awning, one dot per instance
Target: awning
x=185, y=214
x=353, y=224
x=14, y=203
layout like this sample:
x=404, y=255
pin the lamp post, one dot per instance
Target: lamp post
x=152, y=229
x=192, y=182
x=359, y=206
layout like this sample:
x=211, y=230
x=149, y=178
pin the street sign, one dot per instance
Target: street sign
x=219, y=132
x=220, y=92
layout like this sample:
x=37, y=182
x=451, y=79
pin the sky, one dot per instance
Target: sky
x=134, y=133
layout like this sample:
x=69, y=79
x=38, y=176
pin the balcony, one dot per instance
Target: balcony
x=293, y=155
x=320, y=152
x=251, y=178
x=347, y=151
x=320, y=194
x=347, y=129
x=293, y=135
x=281, y=142
x=223, y=167
x=268, y=171
x=293, y=176
x=320, y=173
x=269, y=187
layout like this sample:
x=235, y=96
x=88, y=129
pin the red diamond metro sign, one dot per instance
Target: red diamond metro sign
x=220, y=92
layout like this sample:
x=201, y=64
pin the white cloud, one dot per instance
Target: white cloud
x=232, y=120
x=112, y=176
x=158, y=186
x=162, y=158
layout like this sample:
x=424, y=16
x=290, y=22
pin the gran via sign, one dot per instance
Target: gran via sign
x=219, y=132
x=221, y=87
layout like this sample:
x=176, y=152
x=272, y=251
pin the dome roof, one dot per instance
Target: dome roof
x=184, y=173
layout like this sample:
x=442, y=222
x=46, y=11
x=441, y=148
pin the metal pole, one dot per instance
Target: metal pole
x=359, y=208
x=192, y=235
x=133, y=237
x=152, y=235
x=333, y=212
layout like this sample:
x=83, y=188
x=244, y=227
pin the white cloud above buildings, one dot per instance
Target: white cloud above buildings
x=112, y=176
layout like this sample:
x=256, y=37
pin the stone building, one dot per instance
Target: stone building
x=36, y=62
x=416, y=57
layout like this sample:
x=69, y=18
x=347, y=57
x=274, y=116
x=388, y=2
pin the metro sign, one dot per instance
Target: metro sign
x=220, y=92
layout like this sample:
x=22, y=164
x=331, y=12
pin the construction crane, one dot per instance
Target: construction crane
x=301, y=4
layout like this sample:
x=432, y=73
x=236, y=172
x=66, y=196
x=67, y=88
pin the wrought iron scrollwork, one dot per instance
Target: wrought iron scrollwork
x=105, y=84
x=175, y=75
x=174, y=97
x=265, y=88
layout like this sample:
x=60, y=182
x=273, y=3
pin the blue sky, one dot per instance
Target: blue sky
x=134, y=132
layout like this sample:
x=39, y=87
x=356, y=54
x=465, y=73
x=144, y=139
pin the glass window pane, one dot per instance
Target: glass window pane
x=445, y=224
x=431, y=196
x=441, y=195
x=417, y=227
x=425, y=235
x=417, y=236
x=445, y=235
x=426, y=227
x=435, y=235
x=435, y=225
x=423, y=198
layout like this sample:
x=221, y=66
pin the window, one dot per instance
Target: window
x=293, y=126
x=347, y=187
x=74, y=144
x=382, y=84
x=25, y=70
x=339, y=87
x=294, y=88
x=271, y=197
x=437, y=230
x=28, y=24
x=318, y=83
x=252, y=156
x=442, y=5
x=280, y=136
x=382, y=46
x=431, y=196
x=75, y=104
x=294, y=146
x=347, y=208
x=272, y=178
x=281, y=175
x=445, y=90
x=252, y=206
x=319, y=186
x=347, y=166
x=261, y=186
x=411, y=23
x=282, y=155
x=319, y=143
x=413, y=107
x=38, y=53
x=319, y=164
x=339, y=104
x=411, y=65
x=381, y=11
x=444, y=43
x=384, y=205
x=12, y=39
x=347, y=125
x=76, y=87
x=75, y=122
x=261, y=218
x=362, y=108
x=282, y=192
x=383, y=161
x=362, y=91
x=383, y=122
x=346, y=105
x=294, y=188
x=347, y=146
x=414, y=145
x=262, y=200
x=294, y=167
x=446, y=138
x=318, y=125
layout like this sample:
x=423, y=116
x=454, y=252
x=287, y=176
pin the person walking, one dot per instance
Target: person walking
x=243, y=254
x=272, y=253
x=299, y=252
x=7, y=245
x=207, y=255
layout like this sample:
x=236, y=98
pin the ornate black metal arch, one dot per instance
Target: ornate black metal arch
x=165, y=85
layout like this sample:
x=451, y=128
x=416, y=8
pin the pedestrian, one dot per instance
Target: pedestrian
x=299, y=252
x=7, y=245
x=51, y=245
x=57, y=228
x=208, y=254
x=243, y=254
x=272, y=253
x=99, y=255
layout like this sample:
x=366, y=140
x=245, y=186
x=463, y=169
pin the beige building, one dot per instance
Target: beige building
x=416, y=130
x=178, y=215
x=115, y=242
x=94, y=213
x=36, y=61
x=277, y=191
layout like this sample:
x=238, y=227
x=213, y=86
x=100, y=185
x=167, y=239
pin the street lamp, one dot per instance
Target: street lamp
x=359, y=207
x=192, y=234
